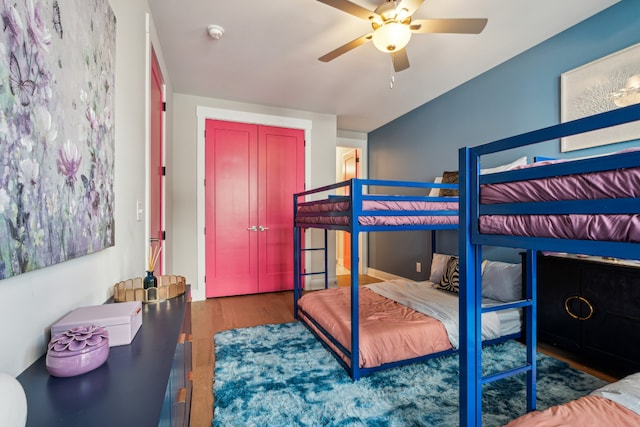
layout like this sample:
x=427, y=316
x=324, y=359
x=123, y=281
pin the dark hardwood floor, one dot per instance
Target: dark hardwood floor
x=219, y=314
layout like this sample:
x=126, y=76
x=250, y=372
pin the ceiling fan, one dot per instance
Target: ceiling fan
x=392, y=28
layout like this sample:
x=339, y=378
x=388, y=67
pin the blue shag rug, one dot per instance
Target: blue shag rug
x=280, y=375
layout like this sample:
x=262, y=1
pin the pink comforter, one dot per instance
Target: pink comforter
x=388, y=331
x=587, y=411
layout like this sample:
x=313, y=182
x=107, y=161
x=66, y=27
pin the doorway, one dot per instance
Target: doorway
x=348, y=165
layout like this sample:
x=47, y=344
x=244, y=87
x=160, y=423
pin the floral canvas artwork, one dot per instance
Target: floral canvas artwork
x=57, y=70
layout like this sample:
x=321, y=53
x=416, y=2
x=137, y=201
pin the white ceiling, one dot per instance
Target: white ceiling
x=268, y=54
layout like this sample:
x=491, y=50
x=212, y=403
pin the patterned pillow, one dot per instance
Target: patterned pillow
x=450, y=278
x=449, y=178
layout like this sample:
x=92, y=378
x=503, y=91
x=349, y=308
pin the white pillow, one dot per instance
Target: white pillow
x=502, y=281
x=625, y=392
x=435, y=192
x=518, y=162
x=438, y=267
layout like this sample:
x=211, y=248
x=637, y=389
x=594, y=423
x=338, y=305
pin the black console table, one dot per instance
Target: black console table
x=146, y=383
x=591, y=308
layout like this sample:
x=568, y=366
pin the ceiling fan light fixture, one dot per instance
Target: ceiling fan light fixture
x=391, y=36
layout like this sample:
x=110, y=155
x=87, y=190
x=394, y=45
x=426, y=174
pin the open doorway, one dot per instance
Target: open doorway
x=348, y=165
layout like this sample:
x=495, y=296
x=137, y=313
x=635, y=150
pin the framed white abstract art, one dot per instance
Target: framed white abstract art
x=602, y=85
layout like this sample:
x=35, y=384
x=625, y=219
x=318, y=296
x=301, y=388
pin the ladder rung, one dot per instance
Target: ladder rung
x=505, y=374
x=311, y=274
x=515, y=304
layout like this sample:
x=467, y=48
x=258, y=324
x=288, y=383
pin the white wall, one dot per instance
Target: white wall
x=186, y=186
x=31, y=302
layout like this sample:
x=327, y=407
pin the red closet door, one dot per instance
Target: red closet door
x=251, y=174
x=156, y=174
x=231, y=193
x=281, y=173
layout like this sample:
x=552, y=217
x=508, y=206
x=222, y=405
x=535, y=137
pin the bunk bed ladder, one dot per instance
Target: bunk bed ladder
x=298, y=270
x=529, y=305
x=471, y=310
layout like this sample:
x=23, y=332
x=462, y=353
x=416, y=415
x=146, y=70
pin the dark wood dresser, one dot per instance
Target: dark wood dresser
x=591, y=308
x=145, y=383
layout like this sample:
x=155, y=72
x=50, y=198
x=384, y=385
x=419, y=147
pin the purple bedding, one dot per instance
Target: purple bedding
x=318, y=212
x=620, y=183
x=595, y=185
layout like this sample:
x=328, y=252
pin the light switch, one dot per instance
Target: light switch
x=139, y=211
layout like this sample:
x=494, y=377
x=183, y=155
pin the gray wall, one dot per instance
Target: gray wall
x=517, y=96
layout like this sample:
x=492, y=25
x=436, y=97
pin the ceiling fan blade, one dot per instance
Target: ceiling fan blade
x=400, y=60
x=346, y=48
x=351, y=8
x=407, y=8
x=461, y=26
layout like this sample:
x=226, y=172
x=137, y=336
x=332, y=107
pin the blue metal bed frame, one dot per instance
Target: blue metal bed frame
x=471, y=242
x=356, y=197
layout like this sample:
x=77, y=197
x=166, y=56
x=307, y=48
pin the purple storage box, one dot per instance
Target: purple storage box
x=77, y=350
x=121, y=319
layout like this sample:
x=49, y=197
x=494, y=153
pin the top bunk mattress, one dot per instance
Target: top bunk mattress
x=336, y=211
x=602, y=185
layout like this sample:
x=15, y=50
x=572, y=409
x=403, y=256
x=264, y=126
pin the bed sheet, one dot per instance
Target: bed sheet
x=615, y=228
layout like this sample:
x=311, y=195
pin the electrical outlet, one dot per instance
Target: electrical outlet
x=418, y=267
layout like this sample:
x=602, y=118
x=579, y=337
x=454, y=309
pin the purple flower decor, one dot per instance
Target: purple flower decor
x=77, y=350
x=57, y=137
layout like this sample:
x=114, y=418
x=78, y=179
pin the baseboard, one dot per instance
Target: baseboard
x=383, y=275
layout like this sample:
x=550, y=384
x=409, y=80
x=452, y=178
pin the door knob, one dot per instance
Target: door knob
x=263, y=228
x=252, y=228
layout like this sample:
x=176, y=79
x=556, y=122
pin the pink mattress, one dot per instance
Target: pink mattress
x=586, y=411
x=620, y=183
x=389, y=331
x=317, y=212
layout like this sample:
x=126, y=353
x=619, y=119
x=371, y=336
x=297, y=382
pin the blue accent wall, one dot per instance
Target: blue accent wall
x=517, y=96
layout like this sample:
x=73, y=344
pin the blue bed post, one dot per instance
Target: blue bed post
x=531, y=327
x=470, y=354
x=356, y=208
x=296, y=258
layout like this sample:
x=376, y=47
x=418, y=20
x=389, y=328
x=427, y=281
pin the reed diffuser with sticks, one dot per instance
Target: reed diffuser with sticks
x=150, y=280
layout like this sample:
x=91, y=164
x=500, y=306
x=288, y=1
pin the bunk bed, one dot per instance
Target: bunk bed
x=353, y=206
x=390, y=327
x=567, y=221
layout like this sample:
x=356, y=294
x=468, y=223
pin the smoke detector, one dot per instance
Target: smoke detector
x=215, y=31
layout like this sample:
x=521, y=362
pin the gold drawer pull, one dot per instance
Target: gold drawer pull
x=575, y=316
x=182, y=395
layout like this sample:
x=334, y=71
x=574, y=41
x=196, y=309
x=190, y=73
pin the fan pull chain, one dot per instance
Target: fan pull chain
x=393, y=76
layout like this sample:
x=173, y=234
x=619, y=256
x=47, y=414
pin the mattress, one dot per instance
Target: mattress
x=336, y=211
x=618, y=183
x=390, y=330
